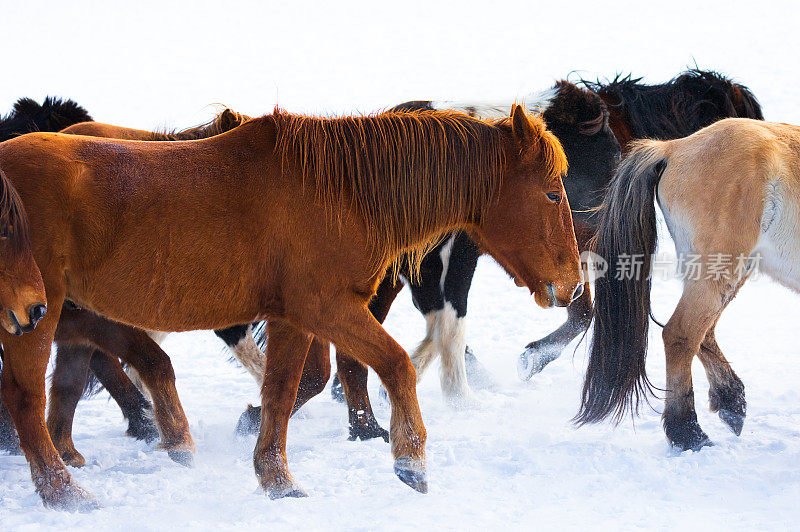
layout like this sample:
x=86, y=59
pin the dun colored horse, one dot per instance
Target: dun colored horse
x=729, y=194
x=670, y=110
x=310, y=212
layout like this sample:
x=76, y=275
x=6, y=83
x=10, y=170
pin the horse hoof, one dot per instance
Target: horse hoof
x=282, y=492
x=249, y=421
x=184, y=458
x=143, y=427
x=478, y=377
x=735, y=422
x=534, y=359
x=337, y=392
x=368, y=431
x=70, y=498
x=73, y=458
x=412, y=473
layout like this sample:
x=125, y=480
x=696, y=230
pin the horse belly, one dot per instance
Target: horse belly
x=778, y=248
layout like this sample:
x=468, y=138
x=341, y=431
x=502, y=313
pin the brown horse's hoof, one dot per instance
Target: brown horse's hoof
x=184, y=458
x=59, y=492
x=412, y=473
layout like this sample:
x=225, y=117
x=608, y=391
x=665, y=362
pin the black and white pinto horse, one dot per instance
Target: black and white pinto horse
x=579, y=119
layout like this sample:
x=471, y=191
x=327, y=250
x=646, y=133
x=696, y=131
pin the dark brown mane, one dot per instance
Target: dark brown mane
x=224, y=121
x=439, y=169
x=13, y=219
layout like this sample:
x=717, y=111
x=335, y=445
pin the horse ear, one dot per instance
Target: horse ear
x=227, y=119
x=521, y=126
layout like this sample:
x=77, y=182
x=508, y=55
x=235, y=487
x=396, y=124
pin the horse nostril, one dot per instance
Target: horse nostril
x=578, y=291
x=37, y=312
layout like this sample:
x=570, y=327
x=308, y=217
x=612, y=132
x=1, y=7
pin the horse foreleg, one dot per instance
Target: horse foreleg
x=726, y=391
x=66, y=388
x=698, y=310
x=134, y=405
x=286, y=352
x=540, y=353
x=355, y=330
x=23, y=390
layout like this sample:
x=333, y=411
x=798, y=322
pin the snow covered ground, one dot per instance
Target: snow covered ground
x=515, y=461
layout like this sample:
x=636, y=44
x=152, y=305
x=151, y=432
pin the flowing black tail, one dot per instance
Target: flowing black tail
x=615, y=379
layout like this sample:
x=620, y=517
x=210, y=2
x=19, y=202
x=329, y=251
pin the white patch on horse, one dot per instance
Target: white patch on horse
x=536, y=102
x=446, y=337
x=444, y=254
x=250, y=356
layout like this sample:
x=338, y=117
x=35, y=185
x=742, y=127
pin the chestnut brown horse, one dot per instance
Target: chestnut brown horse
x=310, y=213
x=22, y=294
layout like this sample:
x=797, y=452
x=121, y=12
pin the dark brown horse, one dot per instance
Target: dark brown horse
x=311, y=213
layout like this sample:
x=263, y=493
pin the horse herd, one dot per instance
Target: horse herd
x=287, y=233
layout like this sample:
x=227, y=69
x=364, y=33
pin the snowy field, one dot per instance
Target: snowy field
x=514, y=461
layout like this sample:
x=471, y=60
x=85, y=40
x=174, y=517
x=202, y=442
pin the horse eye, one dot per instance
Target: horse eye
x=555, y=197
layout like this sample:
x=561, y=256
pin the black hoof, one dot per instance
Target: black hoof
x=293, y=492
x=415, y=478
x=184, y=458
x=143, y=426
x=478, y=377
x=735, y=422
x=337, y=392
x=368, y=431
x=686, y=435
x=730, y=404
x=249, y=421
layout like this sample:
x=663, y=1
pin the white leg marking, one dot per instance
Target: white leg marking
x=450, y=336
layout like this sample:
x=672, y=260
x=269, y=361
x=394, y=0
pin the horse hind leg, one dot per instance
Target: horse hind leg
x=698, y=310
x=540, y=353
x=66, y=388
x=134, y=405
x=726, y=392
